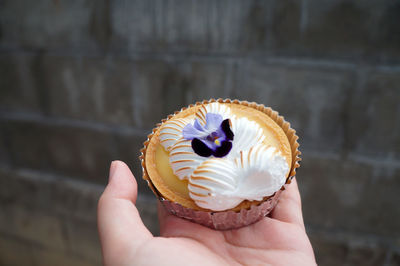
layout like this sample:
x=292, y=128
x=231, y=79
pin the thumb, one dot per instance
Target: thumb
x=119, y=223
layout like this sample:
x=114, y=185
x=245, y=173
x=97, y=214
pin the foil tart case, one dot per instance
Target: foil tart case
x=226, y=220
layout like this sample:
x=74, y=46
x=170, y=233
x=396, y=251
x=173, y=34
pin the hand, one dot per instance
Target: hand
x=279, y=239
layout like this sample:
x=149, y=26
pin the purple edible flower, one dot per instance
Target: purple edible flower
x=214, y=138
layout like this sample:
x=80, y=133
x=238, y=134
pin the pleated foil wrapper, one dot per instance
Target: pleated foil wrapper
x=226, y=220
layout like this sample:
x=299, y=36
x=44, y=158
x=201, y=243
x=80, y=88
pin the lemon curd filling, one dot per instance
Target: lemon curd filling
x=172, y=188
x=171, y=180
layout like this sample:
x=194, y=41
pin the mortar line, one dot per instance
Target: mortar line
x=22, y=116
x=213, y=56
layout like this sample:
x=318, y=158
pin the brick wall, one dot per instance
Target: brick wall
x=83, y=82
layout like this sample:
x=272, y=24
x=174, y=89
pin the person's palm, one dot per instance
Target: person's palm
x=279, y=239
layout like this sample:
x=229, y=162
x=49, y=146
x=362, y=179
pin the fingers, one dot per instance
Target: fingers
x=288, y=208
x=119, y=223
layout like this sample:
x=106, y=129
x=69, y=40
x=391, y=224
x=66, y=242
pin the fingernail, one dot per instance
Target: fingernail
x=113, y=168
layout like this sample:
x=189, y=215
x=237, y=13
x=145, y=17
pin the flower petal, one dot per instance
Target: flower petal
x=210, y=144
x=222, y=150
x=213, y=121
x=201, y=148
x=190, y=132
x=226, y=128
x=198, y=126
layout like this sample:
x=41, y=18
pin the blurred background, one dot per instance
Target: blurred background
x=82, y=83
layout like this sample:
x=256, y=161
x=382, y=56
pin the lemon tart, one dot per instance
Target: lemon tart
x=220, y=156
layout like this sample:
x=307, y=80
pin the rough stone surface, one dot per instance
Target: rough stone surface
x=83, y=239
x=68, y=150
x=94, y=89
x=134, y=25
x=312, y=100
x=395, y=259
x=209, y=80
x=4, y=151
x=70, y=198
x=286, y=26
x=61, y=197
x=46, y=24
x=374, y=117
x=34, y=226
x=54, y=218
x=82, y=83
x=337, y=29
x=64, y=150
x=365, y=30
x=44, y=193
x=185, y=24
x=329, y=250
x=153, y=79
x=372, y=255
x=123, y=92
x=18, y=91
x=14, y=252
x=190, y=26
x=44, y=257
x=174, y=85
x=341, y=194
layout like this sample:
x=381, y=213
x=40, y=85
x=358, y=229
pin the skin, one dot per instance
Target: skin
x=279, y=239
